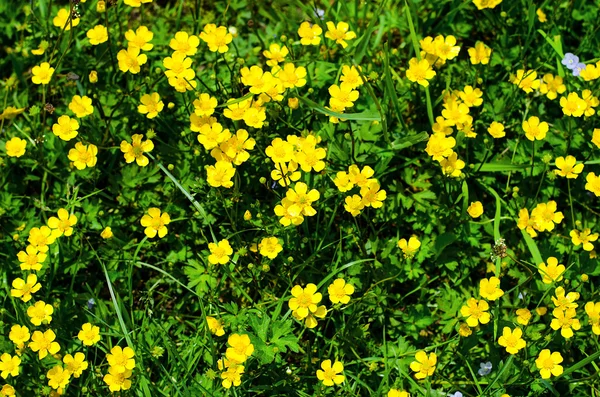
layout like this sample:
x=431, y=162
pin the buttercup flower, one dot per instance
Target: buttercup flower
x=89, y=334
x=419, y=71
x=423, y=365
x=339, y=33
x=151, y=105
x=339, y=291
x=136, y=149
x=15, y=147
x=75, y=364
x=9, y=365
x=220, y=252
x=23, y=289
x=548, y=363
x=585, y=237
x=155, y=223
x=63, y=225
x=43, y=343
x=215, y=326
x=331, y=374
x=217, y=38
x=476, y=312
x=117, y=381
x=523, y=316
x=65, y=128
x=410, y=247
x=130, y=60
x=121, y=359
x=551, y=272
x=83, y=156
x=512, y=340
x=97, y=35
x=140, y=38
x=40, y=313
x=42, y=73
x=19, y=334
x=65, y=20
x=304, y=300
x=240, y=348
x=567, y=167
x=534, y=129
x=270, y=247
x=475, y=210
x=309, y=34
x=490, y=288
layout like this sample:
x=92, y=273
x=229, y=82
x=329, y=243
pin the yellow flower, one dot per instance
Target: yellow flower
x=590, y=101
x=593, y=311
x=115, y=380
x=235, y=111
x=572, y=105
x=232, y=376
x=548, y=363
x=290, y=75
x=240, y=348
x=541, y=15
x=567, y=167
x=471, y=97
x=552, y=86
x=220, y=174
x=41, y=237
x=43, y=343
x=553, y=272
x=270, y=247
x=19, y=335
x=65, y=20
x=481, y=4
x=255, y=117
x=220, y=252
x=496, y=130
x=523, y=316
x=42, y=73
x=464, y=330
x=130, y=60
x=439, y=146
x=512, y=340
x=9, y=365
x=590, y=72
x=410, y=247
x=121, y=360
x=331, y=374
x=351, y=76
x=541, y=311
x=140, y=38
x=534, y=129
x=419, y=71
x=205, y=105
x=303, y=198
x=236, y=148
x=216, y=38
x=545, y=216
x=75, y=364
x=585, y=237
x=11, y=112
x=215, y=326
x=89, y=334
x=593, y=183
x=480, y=54
x=23, y=289
x=339, y=33
x=342, y=96
x=151, y=105
x=83, y=156
x=372, y=196
x=397, y=393
x=445, y=47
x=339, y=291
x=310, y=34
x=354, y=204
x=452, y=166
x=16, y=147
x=155, y=223
x=304, y=300
x=58, y=377
x=475, y=210
x=456, y=113
x=65, y=128
x=81, y=106
x=63, y=225
x=476, y=312
x=564, y=301
x=490, y=288
x=423, y=366
x=526, y=80
x=565, y=321
x=31, y=258
x=97, y=35
x=41, y=49
x=136, y=149
x=275, y=54
x=40, y=313
x=93, y=77
x=106, y=233
x=289, y=213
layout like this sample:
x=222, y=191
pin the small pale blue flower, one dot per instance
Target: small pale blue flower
x=570, y=60
x=90, y=303
x=485, y=368
x=578, y=68
x=457, y=394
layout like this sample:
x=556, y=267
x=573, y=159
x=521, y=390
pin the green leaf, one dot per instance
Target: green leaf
x=364, y=116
